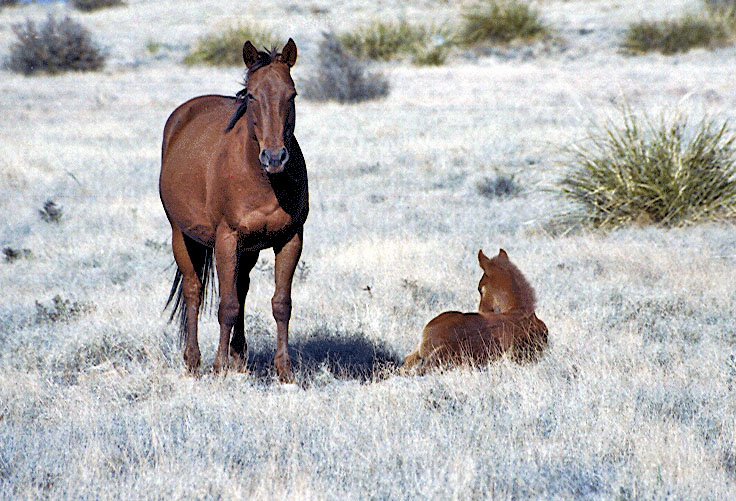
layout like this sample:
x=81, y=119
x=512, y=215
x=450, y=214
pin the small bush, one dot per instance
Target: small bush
x=678, y=35
x=12, y=254
x=500, y=21
x=8, y=3
x=56, y=47
x=61, y=310
x=664, y=173
x=341, y=77
x=500, y=186
x=91, y=5
x=226, y=48
x=51, y=213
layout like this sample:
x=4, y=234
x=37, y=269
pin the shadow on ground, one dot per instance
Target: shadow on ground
x=345, y=355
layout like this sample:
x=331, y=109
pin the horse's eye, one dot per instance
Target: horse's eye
x=250, y=97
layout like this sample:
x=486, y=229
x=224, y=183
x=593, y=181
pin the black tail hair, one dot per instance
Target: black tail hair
x=203, y=260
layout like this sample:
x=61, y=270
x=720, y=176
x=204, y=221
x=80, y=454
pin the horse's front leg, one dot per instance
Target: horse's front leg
x=287, y=258
x=226, y=255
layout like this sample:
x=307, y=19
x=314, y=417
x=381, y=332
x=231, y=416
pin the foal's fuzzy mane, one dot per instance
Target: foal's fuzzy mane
x=265, y=57
x=523, y=291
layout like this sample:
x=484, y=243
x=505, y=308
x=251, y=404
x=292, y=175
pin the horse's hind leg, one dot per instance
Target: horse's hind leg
x=189, y=257
x=238, y=346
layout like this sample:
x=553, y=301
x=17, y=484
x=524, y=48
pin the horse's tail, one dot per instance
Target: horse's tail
x=203, y=260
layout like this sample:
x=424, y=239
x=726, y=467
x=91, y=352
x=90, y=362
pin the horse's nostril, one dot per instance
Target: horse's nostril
x=284, y=155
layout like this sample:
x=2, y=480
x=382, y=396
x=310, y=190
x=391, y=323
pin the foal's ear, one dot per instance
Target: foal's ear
x=250, y=54
x=288, y=53
x=483, y=260
x=502, y=256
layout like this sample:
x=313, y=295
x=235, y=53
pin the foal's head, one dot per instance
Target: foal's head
x=269, y=100
x=503, y=288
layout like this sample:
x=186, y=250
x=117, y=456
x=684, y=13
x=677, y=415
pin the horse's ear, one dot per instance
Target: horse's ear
x=250, y=54
x=502, y=255
x=483, y=260
x=288, y=53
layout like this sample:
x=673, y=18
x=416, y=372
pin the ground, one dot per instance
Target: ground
x=634, y=397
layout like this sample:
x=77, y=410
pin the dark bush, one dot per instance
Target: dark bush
x=341, y=77
x=55, y=47
x=501, y=186
x=90, y=5
x=51, y=213
x=8, y=3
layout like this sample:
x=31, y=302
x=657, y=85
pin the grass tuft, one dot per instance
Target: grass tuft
x=646, y=172
x=226, y=48
x=341, y=77
x=61, y=310
x=92, y=5
x=8, y=3
x=12, y=254
x=677, y=35
x=389, y=40
x=500, y=21
x=57, y=46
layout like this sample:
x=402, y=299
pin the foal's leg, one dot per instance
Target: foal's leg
x=226, y=257
x=191, y=290
x=287, y=258
x=238, y=346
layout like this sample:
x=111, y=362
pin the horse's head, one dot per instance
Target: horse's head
x=270, y=102
x=502, y=287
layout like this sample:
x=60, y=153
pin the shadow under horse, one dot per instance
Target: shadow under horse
x=505, y=323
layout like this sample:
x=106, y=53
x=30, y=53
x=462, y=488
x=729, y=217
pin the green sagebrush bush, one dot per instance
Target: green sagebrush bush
x=499, y=21
x=91, y=5
x=341, y=77
x=54, y=47
x=663, y=172
x=381, y=40
x=226, y=48
x=708, y=29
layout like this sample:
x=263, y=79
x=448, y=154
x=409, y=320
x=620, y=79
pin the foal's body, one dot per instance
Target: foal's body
x=234, y=182
x=505, y=323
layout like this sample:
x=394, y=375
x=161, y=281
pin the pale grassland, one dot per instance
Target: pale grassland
x=633, y=400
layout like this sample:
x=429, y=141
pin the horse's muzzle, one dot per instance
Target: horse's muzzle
x=274, y=160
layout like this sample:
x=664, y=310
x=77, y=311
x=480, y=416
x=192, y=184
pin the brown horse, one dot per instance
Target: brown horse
x=231, y=188
x=505, y=322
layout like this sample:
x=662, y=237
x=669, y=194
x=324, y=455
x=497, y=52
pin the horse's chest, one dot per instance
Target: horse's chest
x=258, y=228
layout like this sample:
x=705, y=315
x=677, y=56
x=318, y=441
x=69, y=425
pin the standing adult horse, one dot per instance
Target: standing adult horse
x=233, y=182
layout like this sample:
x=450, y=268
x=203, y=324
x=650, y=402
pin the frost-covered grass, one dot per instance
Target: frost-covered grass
x=632, y=400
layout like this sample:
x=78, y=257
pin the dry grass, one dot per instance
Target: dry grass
x=632, y=400
x=500, y=21
x=678, y=35
x=225, y=47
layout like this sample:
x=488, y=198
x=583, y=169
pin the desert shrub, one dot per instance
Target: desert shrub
x=653, y=172
x=12, y=254
x=226, y=48
x=342, y=77
x=51, y=213
x=500, y=186
x=500, y=21
x=676, y=35
x=90, y=5
x=57, y=46
x=387, y=40
x=8, y=3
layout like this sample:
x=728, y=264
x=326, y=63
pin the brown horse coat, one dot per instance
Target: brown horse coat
x=505, y=323
x=233, y=182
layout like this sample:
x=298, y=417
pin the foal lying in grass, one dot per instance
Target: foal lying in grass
x=505, y=323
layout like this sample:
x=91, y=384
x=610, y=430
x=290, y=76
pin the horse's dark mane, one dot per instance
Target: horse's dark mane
x=265, y=57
